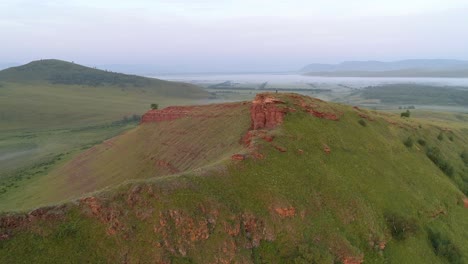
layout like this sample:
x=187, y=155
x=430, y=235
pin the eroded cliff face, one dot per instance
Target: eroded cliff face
x=196, y=111
x=267, y=112
x=167, y=114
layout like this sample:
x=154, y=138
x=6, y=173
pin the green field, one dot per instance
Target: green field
x=417, y=94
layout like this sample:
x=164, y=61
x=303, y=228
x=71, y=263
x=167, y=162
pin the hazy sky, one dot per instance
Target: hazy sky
x=221, y=35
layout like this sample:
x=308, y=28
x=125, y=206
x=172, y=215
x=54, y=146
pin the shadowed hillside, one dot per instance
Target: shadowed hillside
x=67, y=73
x=293, y=180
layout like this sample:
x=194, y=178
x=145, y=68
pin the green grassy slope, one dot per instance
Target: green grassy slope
x=372, y=198
x=150, y=150
x=50, y=109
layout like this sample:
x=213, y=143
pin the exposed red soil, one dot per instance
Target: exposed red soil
x=93, y=204
x=166, y=114
x=286, y=212
x=176, y=112
x=162, y=164
x=382, y=245
x=329, y=116
x=361, y=113
x=353, y=260
x=8, y=223
x=258, y=155
x=238, y=157
x=326, y=149
x=106, y=215
x=280, y=149
x=465, y=202
x=366, y=117
x=12, y=221
x=247, y=139
x=313, y=108
x=266, y=112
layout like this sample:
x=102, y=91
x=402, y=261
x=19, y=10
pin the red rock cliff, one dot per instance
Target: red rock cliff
x=266, y=113
x=166, y=114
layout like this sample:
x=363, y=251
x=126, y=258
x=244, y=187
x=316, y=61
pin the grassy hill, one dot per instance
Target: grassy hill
x=53, y=93
x=148, y=151
x=331, y=184
x=50, y=109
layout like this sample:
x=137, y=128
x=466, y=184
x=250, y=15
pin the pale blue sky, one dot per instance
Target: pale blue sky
x=219, y=35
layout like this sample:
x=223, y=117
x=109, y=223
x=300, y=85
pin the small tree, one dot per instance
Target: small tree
x=405, y=114
x=408, y=142
x=154, y=106
x=440, y=136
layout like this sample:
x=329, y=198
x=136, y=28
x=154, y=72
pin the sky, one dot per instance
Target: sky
x=231, y=36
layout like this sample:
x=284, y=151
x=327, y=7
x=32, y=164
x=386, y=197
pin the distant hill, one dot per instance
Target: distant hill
x=404, y=68
x=69, y=73
x=55, y=93
x=282, y=179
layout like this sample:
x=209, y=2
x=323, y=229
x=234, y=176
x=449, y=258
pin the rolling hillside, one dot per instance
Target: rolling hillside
x=51, y=109
x=53, y=93
x=293, y=180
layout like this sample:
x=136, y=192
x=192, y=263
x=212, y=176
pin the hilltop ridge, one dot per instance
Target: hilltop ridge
x=284, y=178
x=70, y=73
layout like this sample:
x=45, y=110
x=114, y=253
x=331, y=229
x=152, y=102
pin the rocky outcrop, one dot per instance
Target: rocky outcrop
x=106, y=215
x=177, y=112
x=238, y=157
x=286, y=212
x=313, y=108
x=166, y=114
x=267, y=112
x=326, y=149
x=165, y=165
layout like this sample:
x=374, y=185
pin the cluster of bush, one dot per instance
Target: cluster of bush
x=362, y=122
x=127, y=120
x=406, y=114
x=408, y=142
x=401, y=227
x=464, y=157
x=97, y=78
x=433, y=153
x=444, y=247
